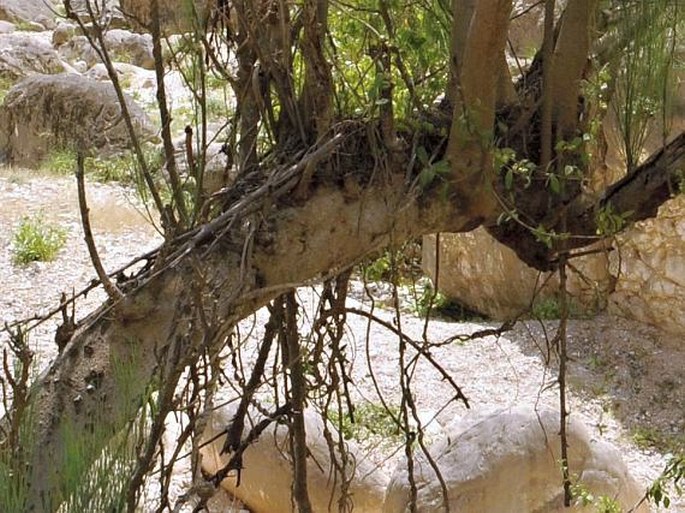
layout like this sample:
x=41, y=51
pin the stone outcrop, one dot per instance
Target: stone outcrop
x=123, y=46
x=641, y=278
x=45, y=112
x=651, y=257
x=25, y=11
x=25, y=53
x=266, y=478
x=174, y=14
x=488, y=277
x=508, y=462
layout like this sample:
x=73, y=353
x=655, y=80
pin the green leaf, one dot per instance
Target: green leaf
x=426, y=177
x=554, y=184
x=509, y=179
x=422, y=155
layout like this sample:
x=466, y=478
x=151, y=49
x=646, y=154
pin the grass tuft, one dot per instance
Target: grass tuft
x=37, y=241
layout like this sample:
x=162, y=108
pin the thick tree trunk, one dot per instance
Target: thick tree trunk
x=84, y=397
x=269, y=240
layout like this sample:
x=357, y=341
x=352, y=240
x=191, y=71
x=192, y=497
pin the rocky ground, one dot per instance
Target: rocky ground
x=628, y=380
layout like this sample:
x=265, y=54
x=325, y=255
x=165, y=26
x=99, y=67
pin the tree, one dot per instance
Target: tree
x=356, y=126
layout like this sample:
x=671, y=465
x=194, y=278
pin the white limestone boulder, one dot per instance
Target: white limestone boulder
x=123, y=46
x=25, y=11
x=509, y=462
x=266, y=478
x=27, y=53
x=46, y=112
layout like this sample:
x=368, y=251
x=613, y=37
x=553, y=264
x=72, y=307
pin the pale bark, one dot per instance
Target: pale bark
x=476, y=65
x=265, y=243
x=154, y=327
x=570, y=63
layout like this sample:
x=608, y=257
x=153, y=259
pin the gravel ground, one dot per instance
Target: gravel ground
x=627, y=379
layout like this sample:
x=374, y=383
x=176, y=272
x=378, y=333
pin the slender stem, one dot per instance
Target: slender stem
x=563, y=359
x=96, y=40
x=112, y=291
x=165, y=115
x=298, y=438
x=547, y=100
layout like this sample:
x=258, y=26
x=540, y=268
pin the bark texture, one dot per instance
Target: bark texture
x=323, y=197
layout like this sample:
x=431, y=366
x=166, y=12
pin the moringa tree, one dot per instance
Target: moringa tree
x=354, y=126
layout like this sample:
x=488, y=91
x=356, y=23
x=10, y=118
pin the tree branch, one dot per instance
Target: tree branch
x=112, y=291
x=635, y=197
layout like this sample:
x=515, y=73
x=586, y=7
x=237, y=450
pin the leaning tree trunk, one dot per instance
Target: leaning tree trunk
x=268, y=240
x=229, y=273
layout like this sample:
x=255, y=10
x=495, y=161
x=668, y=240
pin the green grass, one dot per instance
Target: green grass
x=443, y=306
x=37, y=240
x=117, y=168
x=369, y=419
x=26, y=26
x=549, y=308
x=6, y=84
x=649, y=437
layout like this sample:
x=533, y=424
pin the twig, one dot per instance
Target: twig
x=164, y=113
x=112, y=291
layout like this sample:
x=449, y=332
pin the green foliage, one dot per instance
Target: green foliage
x=27, y=26
x=644, y=81
x=437, y=304
x=117, y=168
x=418, y=38
x=584, y=498
x=401, y=265
x=6, y=84
x=646, y=437
x=549, y=308
x=513, y=169
x=60, y=161
x=37, y=241
x=432, y=171
x=609, y=222
x=379, y=269
x=369, y=419
x=673, y=474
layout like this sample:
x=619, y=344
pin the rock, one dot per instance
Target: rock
x=45, y=112
x=25, y=53
x=266, y=478
x=488, y=277
x=132, y=48
x=175, y=15
x=651, y=255
x=217, y=173
x=110, y=13
x=62, y=33
x=508, y=462
x=6, y=27
x=123, y=46
x=23, y=11
x=643, y=278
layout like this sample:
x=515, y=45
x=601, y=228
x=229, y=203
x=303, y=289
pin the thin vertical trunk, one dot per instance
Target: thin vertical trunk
x=298, y=391
x=547, y=88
